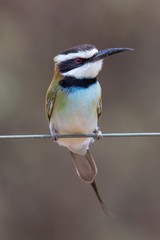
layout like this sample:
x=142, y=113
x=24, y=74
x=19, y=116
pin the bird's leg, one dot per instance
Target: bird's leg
x=54, y=136
x=98, y=134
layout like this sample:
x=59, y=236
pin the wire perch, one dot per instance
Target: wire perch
x=32, y=136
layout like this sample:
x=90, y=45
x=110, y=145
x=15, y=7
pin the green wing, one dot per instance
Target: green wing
x=50, y=99
x=99, y=107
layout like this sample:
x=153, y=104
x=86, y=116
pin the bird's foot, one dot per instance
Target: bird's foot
x=98, y=134
x=54, y=136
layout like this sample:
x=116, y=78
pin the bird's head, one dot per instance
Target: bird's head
x=83, y=61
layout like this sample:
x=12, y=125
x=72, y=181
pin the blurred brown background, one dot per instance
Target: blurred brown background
x=41, y=197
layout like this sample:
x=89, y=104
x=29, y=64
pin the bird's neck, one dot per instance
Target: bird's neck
x=70, y=82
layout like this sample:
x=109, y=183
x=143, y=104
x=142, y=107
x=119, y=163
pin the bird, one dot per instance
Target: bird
x=73, y=105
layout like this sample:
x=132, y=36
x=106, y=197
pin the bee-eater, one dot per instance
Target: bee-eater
x=73, y=104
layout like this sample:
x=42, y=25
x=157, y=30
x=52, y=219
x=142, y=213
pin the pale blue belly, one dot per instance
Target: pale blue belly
x=76, y=112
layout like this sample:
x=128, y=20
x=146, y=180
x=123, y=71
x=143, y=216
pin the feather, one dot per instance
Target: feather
x=99, y=107
x=85, y=166
x=106, y=210
x=87, y=170
x=52, y=92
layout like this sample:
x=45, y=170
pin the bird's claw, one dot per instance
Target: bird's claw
x=98, y=134
x=54, y=136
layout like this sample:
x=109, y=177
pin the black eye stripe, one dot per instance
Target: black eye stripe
x=70, y=64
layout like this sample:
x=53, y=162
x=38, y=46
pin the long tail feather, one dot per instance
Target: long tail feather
x=103, y=206
x=87, y=170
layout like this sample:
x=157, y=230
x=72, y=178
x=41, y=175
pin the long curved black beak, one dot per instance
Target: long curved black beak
x=108, y=52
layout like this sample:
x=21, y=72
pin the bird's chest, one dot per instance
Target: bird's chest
x=76, y=110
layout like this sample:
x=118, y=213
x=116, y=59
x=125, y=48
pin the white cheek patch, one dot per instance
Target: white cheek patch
x=89, y=70
x=81, y=54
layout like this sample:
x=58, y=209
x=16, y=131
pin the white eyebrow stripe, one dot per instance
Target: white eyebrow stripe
x=82, y=54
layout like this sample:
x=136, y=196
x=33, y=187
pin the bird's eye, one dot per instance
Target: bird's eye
x=78, y=60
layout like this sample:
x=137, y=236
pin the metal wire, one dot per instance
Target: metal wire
x=32, y=136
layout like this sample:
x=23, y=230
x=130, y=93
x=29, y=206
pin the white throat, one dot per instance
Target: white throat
x=88, y=70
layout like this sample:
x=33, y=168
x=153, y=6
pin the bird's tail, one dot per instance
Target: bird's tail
x=85, y=166
x=87, y=170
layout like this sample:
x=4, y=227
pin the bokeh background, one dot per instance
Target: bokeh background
x=41, y=196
